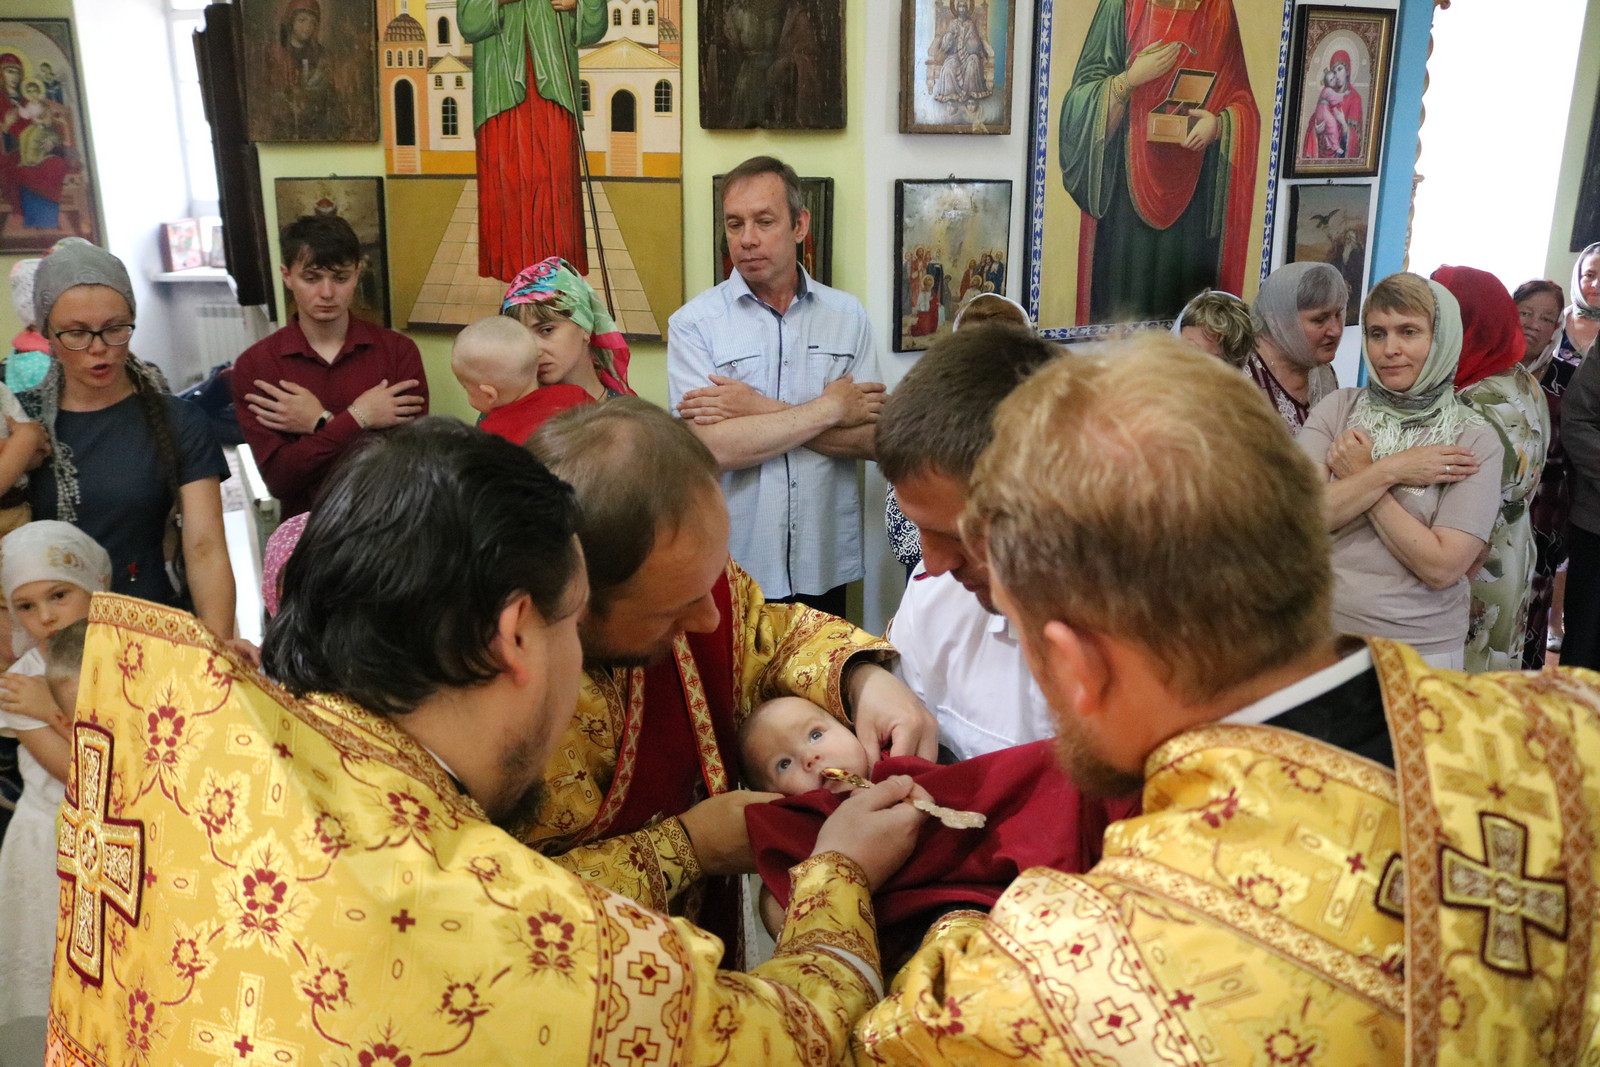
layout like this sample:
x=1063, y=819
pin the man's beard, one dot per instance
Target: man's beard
x=1088, y=771
x=517, y=814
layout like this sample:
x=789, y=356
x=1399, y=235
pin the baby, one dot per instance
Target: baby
x=1035, y=817
x=497, y=362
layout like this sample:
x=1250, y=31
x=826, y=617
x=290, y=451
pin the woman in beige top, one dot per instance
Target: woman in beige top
x=1414, y=475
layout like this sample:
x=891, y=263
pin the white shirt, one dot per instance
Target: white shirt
x=797, y=517
x=1306, y=689
x=967, y=666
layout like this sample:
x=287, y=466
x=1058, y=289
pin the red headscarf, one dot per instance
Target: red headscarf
x=1338, y=57
x=1491, y=330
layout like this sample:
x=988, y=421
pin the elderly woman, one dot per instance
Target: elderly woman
x=1490, y=379
x=1299, y=316
x=1580, y=437
x=1580, y=323
x=136, y=469
x=1414, y=476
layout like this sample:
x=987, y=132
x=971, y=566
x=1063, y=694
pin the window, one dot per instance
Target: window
x=444, y=30
x=584, y=103
x=448, y=122
x=663, y=97
x=184, y=17
x=388, y=58
x=438, y=81
x=650, y=17
x=461, y=83
x=616, y=17
x=636, y=16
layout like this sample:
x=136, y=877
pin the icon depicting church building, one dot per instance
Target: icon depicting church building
x=630, y=90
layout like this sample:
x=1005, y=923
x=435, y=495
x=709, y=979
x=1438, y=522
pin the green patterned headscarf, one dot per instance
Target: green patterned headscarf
x=1429, y=412
x=556, y=282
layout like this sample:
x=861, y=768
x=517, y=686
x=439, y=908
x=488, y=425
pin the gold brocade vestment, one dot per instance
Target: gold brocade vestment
x=249, y=879
x=1283, y=902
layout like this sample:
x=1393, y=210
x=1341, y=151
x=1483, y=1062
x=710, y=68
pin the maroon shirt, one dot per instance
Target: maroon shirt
x=295, y=464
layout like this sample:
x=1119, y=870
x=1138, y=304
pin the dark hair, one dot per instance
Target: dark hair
x=941, y=415
x=1542, y=285
x=636, y=470
x=417, y=542
x=758, y=165
x=323, y=241
x=63, y=652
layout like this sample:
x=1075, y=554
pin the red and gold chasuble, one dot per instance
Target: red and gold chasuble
x=1281, y=901
x=251, y=879
x=647, y=743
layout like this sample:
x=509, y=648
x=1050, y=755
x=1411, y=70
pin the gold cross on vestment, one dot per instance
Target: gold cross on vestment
x=239, y=1038
x=102, y=857
x=1501, y=887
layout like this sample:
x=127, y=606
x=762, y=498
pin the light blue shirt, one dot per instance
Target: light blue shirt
x=797, y=517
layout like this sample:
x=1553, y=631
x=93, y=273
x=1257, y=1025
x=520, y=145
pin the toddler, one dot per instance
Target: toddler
x=496, y=360
x=48, y=571
x=1035, y=817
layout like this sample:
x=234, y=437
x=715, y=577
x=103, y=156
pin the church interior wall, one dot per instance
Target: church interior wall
x=1585, y=90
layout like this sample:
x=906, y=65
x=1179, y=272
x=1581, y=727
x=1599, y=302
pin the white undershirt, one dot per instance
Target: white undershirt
x=1306, y=689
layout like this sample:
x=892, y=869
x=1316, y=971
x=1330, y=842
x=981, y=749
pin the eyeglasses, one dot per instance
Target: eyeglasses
x=78, y=340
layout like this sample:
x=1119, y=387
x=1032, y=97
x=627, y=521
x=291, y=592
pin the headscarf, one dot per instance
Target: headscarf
x=1341, y=56
x=22, y=275
x=279, y=547
x=50, y=551
x=1491, y=328
x=1579, y=306
x=1278, y=306
x=955, y=324
x=555, y=281
x=73, y=262
x=1428, y=413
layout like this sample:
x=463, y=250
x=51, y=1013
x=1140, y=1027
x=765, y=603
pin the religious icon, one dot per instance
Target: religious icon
x=1328, y=224
x=955, y=66
x=951, y=242
x=46, y=179
x=1153, y=167
x=1341, y=86
x=308, y=70
x=772, y=64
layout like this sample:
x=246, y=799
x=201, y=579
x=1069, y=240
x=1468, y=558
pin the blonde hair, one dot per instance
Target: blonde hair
x=1226, y=318
x=1405, y=293
x=496, y=351
x=990, y=308
x=1148, y=492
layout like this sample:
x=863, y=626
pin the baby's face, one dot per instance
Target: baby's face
x=793, y=741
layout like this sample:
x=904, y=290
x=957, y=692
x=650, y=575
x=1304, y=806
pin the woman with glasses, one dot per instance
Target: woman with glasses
x=133, y=467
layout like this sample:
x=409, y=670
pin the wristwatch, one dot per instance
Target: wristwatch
x=322, y=420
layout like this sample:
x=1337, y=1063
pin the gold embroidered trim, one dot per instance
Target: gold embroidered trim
x=712, y=767
x=1331, y=762
x=627, y=759
x=683, y=848
x=1294, y=943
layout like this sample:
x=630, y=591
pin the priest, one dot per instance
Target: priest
x=1160, y=547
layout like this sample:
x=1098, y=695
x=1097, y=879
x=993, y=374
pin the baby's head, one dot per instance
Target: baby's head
x=64, y=662
x=496, y=361
x=49, y=570
x=785, y=744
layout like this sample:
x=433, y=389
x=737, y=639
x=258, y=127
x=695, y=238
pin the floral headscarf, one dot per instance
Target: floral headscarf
x=279, y=547
x=556, y=282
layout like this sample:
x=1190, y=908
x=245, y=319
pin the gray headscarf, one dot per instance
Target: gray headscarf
x=1581, y=307
x=73, y=262
x=1289, y=290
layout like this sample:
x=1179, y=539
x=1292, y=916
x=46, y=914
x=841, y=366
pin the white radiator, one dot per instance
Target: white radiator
x=224, y=330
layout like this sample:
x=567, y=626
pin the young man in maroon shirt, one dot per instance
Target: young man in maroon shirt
x=307, y=392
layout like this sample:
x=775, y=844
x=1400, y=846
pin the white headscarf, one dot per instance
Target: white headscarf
x=1579, y=306
x=22, y=273
x=50, y=551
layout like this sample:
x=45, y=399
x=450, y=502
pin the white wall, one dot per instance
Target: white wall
x=138, y=153
x=933, y=155
x=1490, y=158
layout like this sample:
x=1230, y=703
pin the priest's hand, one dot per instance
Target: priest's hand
x=874, y=828
x=888, y=715
x=1206, y=129
x=717, y=831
